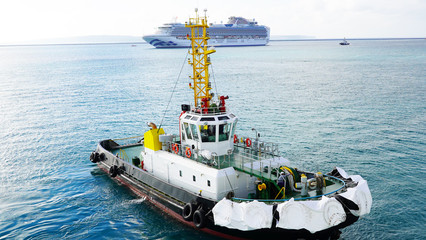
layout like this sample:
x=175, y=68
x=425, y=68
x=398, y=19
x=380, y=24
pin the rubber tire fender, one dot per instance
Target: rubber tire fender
x=113, y=171
x=188, y=211
x=92, y=157
x=102, y=157
x=95, y=157
x=199, y=218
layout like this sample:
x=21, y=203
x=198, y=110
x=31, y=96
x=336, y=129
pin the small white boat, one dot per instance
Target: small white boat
x=344, y=42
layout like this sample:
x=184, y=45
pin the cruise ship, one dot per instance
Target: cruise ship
x=238, y=31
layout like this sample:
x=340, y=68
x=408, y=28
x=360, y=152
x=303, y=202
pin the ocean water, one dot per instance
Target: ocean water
x=361, y=107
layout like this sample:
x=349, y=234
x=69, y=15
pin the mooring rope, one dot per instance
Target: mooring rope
x=174, y=88
x=214, y=80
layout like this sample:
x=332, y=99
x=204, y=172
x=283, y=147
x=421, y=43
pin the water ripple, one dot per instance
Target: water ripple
x=361, y=108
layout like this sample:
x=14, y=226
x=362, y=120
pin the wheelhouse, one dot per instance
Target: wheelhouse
x=211, y=132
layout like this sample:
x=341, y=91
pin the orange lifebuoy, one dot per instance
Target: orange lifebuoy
x=248, y=142
x=235, y=138
x=188, y=152
x=175, y=148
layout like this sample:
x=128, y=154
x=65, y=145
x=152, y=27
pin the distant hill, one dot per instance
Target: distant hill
x=84, y=40
x=290, y=37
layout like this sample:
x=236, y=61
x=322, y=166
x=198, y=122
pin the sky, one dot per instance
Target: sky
x=30, y=20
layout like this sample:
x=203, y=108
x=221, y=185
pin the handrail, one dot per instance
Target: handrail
x=181, y=150
x=123, y=155
x=209, y=111
x=119, y=139
x=261, y=146
x=283, y=188
x=237, y=158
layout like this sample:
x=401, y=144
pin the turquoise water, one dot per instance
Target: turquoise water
x=361, y=107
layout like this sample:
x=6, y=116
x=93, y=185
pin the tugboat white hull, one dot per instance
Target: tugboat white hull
x=232, y=218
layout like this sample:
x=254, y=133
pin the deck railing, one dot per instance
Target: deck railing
x=129, y=140
x=256, y=159
x=254, y=162
x=209, y=111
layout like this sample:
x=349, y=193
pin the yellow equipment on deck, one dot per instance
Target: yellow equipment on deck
x=152, y=139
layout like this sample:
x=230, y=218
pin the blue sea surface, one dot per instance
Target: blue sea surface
x=361, y=107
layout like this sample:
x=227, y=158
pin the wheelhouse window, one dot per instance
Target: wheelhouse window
x=188, y=132
x=183, y=133
x=207, y=119
x=224, y=130
x=208, y=133
x=234, y=126
x=194, y=131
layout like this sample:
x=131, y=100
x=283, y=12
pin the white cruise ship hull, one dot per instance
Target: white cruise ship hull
x=164, y=41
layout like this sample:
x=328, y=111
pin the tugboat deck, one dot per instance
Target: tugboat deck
x=244, y=159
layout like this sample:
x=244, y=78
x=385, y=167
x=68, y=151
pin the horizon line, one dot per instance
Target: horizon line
x=271, y=40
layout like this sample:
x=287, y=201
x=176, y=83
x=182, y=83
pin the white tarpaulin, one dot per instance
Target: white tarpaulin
x=312, y=215
x=243, y=216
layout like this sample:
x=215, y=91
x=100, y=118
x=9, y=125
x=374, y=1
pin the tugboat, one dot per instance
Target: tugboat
x=344, y=42
x=236, y=187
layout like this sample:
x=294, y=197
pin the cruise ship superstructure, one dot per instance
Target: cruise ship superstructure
x=238, y=31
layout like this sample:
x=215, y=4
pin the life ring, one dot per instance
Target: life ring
x=235, y=138
x=188, y=152
x=248, y=142
x=175, y=148
x=199, y=218
x=188, y=211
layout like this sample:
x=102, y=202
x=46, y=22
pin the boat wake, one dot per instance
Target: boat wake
x=137, y=201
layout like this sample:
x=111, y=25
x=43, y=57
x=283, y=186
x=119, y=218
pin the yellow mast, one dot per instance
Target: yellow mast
x=200, y=60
